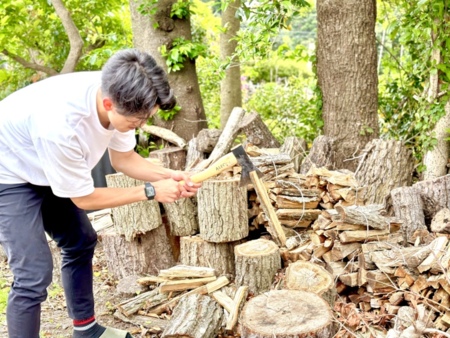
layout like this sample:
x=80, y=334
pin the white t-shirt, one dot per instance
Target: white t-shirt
x=50, y=134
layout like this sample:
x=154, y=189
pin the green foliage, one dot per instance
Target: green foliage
x=167, y=115
x=32, y=31
x=181, y=51
x=289, y=109
x=413, y=30
x=271, y=70
x=180, y=9
x=4, y=291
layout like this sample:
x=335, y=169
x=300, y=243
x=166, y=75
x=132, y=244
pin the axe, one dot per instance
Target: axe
x=236, y=156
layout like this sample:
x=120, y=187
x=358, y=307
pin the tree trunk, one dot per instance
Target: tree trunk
x=386, y=165
x=434, y=195
x=230, y=89
x=191, y=118
x=436, y=160
x=287, y=314
x=347, y=75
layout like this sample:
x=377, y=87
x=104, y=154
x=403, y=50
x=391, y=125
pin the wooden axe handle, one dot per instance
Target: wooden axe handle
x=222, y=164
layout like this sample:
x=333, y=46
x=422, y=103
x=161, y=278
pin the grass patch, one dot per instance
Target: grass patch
x=4, y=291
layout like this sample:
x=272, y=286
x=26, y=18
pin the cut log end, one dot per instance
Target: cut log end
x=286, y=313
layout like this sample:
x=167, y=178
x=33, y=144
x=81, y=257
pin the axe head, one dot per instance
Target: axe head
x=246, y=164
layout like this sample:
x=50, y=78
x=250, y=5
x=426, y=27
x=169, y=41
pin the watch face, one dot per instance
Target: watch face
x=149, y=191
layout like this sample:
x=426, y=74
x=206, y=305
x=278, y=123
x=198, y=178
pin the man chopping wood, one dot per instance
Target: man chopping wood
x=52, y=133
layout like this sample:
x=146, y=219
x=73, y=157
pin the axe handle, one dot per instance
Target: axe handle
x=222, y=164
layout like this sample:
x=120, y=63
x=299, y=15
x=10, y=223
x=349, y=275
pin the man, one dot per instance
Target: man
x=52, y=133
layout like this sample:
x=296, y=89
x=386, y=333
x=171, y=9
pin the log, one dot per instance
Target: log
x=145, y=254
x=441, y=222
x=296, y=149
x=226, y=139
x=165, y=134
x=408, y=207
x=313, y=278
x=186, y=271
x=287, y=314
x=434, y=195
x=195, y=316
x=185, y=284
x=257, y=263
x=385, y=165
x=207, y=139
x=195, y=251
x=360, y=215
x=193, y=155
x=239, y=298
x=320, y=155
x=257, y=132
x=182, y=217
x=222, y=211
x=133, y=219
x=171, y=157
x=149, y=299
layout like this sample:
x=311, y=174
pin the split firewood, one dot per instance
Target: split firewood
x=207, y=139
x=186, y=271
x=292, y=313
x=148, y=299
x=257, y=132
x=193, y=155
x=184, y=284
x=238, y=300
x=202, y=290
x=296, y=149
x=165, y=134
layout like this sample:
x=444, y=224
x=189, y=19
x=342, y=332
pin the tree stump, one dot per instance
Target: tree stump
x=434, y=195
x=296, y=149
x=195, y=251
x=320, y=155
x=286, y=314
x=257, y=132
x=182, y=217
x=136, y=218
x=311, y=277
x=257, y=263
x=222, y=211
x=145, y=254
x=195, y=316
x=385, y=165
x=408, y=207
x=171, y=157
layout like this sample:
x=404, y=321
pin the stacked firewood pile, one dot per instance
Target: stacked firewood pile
x=239, y=248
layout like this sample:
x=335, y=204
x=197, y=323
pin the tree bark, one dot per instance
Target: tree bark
x=222, y=211
x=347, y=75
x=257, y=132
x=287, y=314
x=137, y=218
x=230, y=88
x=195, y=316
x=296, y=149
x=145, y=254
x=408, y=207
x=385, y=166
x=257, y=262
x=434, y=195
x=191, y=118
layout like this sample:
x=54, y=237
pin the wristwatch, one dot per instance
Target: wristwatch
x=149, y=191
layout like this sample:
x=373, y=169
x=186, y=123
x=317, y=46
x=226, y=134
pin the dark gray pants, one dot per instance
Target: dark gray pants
x=26, y=213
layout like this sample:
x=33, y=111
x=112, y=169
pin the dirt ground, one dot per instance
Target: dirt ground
x=55, y=322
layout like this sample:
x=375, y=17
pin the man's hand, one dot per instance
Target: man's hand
x=189, y=188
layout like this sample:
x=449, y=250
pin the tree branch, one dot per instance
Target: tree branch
x=76, y=43
x=30, y=65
